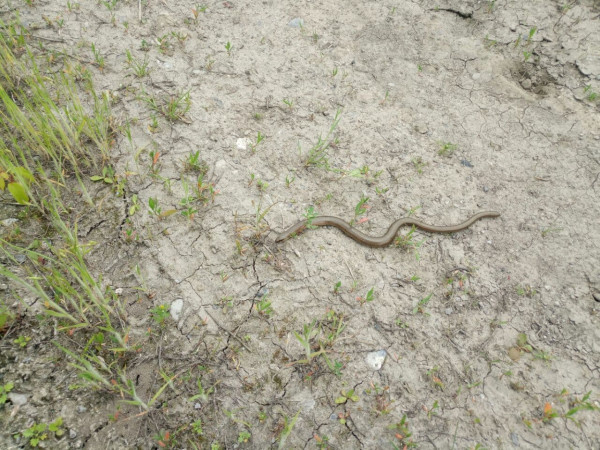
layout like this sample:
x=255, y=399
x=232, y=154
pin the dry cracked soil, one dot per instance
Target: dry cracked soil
x=365, y=110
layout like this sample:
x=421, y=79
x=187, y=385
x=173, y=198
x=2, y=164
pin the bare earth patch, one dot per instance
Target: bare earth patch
x=491, y=335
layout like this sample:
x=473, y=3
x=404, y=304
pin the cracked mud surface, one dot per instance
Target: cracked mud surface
x=410, y=77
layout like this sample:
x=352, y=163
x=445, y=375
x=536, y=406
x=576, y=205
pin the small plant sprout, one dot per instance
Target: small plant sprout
x=447, y=149
x=336, y=287
x=4, y=390
x=22, y=341
x=139, y=67
x=369, y=297
x=526, y=55
x=153, y=206
x=197, y=427
x=435, y=380
x=264, y=307
x=160, y=314
x=418, y=164
x=420, y=307
x=360, y=209
x=288, y=102
x=317, y=155
x=98, y=58
x=38, y=432
x=187, y=202
x=590, y=94
x=289, y=179
x=407, y=241
x=108, y=175
x=228, y=47
x=334, y=72
x=202, y=393
x=310, y=215
x=259, y=139
x=193, y=163
x=385, y=97
x=346, y=396
x=532, y=31
x=288, y=426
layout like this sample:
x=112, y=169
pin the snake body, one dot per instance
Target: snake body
x=388, y=237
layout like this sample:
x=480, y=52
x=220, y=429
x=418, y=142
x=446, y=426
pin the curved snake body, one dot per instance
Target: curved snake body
x=388, y=237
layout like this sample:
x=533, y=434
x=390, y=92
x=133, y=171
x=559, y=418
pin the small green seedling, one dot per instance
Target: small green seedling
x=4, y=390
x=197, y=427
x=202, y=393
x=22, y=341
x=350, y=395
x=160, y=314
x=108, y=175
x=447, y=148
x=264, y=306
x=420, y=308
x=288, y=426
x=98, y=58
x=259, y=138
x=38, y=432
x=310, y=215
x=228, y=47
x=153, y=206
x=418, y=164
x=336, y=287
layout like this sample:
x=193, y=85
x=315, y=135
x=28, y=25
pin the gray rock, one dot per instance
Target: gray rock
x=72, y=434
x=514, y=437
x=81, y=409
x=176, y=309
x=17, y=399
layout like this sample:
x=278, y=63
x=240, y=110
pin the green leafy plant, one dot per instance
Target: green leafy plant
x=22, y=341
x=18, y=180
x=108, y=175
x=160, y=314
x=345, y=396
x=4, y=390
x=38, y=432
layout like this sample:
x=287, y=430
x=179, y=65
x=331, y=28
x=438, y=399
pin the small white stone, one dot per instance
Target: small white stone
x=176, y=308
x=296, y=23
x=242, y=143
x=8, y=222
x=375, y=359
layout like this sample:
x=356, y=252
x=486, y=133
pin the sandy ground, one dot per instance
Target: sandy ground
x=446, y=108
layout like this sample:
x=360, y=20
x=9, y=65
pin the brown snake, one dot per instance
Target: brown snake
x=388, y=237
